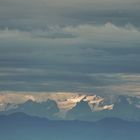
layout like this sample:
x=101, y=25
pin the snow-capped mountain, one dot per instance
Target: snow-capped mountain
x=65, y=101
x=71, y=106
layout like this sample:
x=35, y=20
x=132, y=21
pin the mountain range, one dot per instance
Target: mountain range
x=63, y=106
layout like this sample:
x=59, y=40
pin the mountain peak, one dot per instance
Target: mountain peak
x=71, y=106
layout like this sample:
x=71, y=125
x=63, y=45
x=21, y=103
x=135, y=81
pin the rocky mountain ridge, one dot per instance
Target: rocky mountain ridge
x=71, y=106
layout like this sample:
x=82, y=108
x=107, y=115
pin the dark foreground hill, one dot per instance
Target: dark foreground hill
x=19, y=126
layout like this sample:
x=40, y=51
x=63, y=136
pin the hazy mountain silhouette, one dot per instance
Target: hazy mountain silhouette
x=21, y=126
x=45, y=109
x=79, y=111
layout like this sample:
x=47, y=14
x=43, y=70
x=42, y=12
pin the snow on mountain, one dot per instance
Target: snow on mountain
x=70, y=106
x=65, y=101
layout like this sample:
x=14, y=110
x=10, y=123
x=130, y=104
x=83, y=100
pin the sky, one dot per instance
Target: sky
x=85, y=46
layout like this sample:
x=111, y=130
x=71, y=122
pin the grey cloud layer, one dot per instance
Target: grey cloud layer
x=107, y=32
x=70, y=45
x=47, y=60
x=97, y=83
x=83, y=48
x=41, y=13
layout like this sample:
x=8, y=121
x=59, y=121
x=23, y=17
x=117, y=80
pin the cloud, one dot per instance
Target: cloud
x=116, y=84
x=106, y=32
x=103, y=84
x=47, y=60
x=64, y=58
x=84, y=33
x=40, y=14
x=58, y=45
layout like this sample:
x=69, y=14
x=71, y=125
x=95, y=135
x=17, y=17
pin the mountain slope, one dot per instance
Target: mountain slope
x=79, y=111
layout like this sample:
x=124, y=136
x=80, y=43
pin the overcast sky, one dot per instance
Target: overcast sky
x=90, y=46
